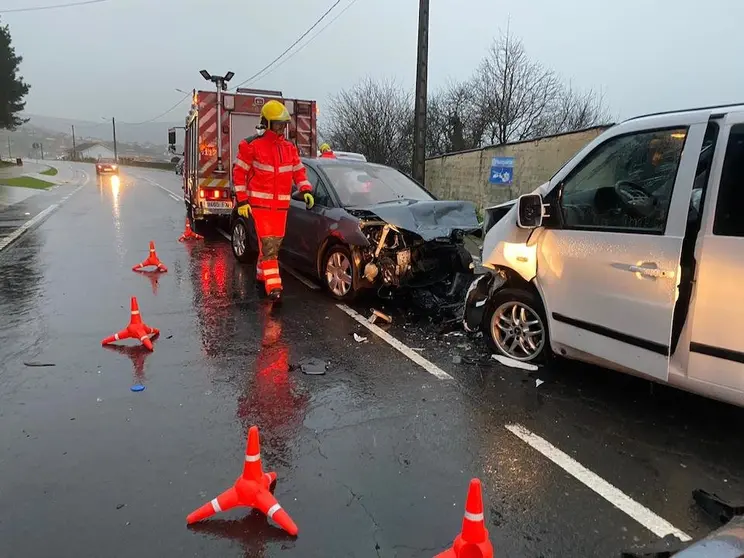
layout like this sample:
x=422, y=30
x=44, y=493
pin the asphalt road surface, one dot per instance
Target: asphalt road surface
x=373, y=458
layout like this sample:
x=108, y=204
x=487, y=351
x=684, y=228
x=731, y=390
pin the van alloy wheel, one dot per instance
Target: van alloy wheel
x=518, y=331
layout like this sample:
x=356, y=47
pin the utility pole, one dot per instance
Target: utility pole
x=41, y=149
x=419, y=123
x=74, y=148
x=10, y=155
x=113, y=123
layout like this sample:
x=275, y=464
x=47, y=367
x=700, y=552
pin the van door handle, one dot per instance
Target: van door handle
x=650, y=269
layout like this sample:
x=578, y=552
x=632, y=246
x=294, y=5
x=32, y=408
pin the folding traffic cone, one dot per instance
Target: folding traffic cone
x=136, y=329
x=188, y=234
x=152, y=260
x=473, y=541
x=252, y=489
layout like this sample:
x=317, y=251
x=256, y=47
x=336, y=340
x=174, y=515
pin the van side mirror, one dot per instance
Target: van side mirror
x=530, y=211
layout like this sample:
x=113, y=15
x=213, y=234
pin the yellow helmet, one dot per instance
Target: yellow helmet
x=274, y=111
x=325, y=147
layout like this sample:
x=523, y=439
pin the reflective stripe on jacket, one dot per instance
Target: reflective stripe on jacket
x=264, y=170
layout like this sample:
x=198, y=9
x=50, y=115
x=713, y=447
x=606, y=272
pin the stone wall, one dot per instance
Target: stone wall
x=464, y=175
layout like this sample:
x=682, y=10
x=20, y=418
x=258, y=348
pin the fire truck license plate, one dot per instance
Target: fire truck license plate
x=219, y=205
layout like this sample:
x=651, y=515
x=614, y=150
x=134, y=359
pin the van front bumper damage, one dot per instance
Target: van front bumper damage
x=477, y=297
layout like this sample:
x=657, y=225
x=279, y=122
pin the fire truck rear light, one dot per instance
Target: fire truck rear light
x=215, y=194
x=201, y=193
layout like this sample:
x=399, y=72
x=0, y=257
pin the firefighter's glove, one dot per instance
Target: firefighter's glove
x=309, y=200
x=244, y=210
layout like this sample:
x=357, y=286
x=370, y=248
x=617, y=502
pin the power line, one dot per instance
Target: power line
x=53, y=7
x=174, y=107
x=310, y=40
x=313, y=26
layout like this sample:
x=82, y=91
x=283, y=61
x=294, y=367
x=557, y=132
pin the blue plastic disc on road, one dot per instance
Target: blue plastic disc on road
x=138, y=387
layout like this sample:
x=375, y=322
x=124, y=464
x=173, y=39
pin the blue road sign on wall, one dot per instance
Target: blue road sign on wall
x=502, y=170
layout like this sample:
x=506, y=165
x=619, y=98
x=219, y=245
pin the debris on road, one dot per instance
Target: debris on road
x=358, y=338
x=716, y=507
x=376, y=314
x=512, y=363
x=312, y=366
x=119, y=506
x=252, y=489
x=539, y=382
x=665, y=548
x=137, y=387
x=39, y=364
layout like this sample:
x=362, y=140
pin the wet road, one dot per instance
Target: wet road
x=373, y=458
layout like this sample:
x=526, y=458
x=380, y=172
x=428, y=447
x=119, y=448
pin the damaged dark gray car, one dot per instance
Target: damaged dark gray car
x=372, y=227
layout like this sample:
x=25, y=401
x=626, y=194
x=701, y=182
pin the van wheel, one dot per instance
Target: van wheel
x=515, y=326
x=338, y=273
x=239, y=240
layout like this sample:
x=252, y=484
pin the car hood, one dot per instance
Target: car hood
x=428, y=219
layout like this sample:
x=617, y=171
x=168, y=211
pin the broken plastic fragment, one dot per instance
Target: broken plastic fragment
x=376, y=314
x=538, y=382
x=359, y=339
x=506, y=361
x=313, y=366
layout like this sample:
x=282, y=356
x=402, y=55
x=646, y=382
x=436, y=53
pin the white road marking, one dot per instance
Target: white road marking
x=657, y=525
x=171, y=193
x=39, y=217
x=300, y=278
x=430, y=367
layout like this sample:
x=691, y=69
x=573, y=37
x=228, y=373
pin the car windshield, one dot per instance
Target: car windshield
x=106, y=161
x=363, y=184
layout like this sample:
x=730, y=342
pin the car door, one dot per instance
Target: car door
x=609, y=272
x=307, y=228
x=717, y=312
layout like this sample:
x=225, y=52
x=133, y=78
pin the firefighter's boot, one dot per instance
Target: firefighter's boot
x=275, y=295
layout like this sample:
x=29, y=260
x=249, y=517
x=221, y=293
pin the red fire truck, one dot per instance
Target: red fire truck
x=210, y=149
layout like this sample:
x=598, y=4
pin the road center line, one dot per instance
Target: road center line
x=657, y=525
x=171, y=193
x=39, y=217
x=430, y=367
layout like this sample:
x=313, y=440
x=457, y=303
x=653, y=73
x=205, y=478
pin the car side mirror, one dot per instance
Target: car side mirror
x=530, y=211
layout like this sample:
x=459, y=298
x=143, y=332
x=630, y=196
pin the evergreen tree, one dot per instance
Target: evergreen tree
x=12, y=87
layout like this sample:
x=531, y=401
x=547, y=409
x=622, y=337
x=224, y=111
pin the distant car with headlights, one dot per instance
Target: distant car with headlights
x=372, y=227
x=106, y=166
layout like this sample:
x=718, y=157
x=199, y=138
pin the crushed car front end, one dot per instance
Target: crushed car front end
x=414, y=244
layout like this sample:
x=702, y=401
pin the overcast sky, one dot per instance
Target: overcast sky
x=126, y=57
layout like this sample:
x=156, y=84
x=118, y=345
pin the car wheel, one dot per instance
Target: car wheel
x=338, y=272
x=515, y=326
x=239, y=240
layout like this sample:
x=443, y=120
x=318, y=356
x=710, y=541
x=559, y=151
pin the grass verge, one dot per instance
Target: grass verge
x=51, y=171
x=4, y=164
x=27, y=182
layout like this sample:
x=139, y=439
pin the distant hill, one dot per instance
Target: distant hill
x=154, y=133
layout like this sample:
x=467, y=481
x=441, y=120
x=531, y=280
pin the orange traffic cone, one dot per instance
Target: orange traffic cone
x=251, y=489
x=136, y=329
x=473, y=541
x=188, y=234
x=152, y=260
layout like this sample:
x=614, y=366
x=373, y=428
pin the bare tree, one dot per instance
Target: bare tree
x=521, y=99
x=454, y=121
x=373, y=118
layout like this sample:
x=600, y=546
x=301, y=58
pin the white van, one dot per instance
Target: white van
x=629, y=257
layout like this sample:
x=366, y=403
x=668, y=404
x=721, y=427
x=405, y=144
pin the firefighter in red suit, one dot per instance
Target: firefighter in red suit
x=326, y=152
x=263, y=173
